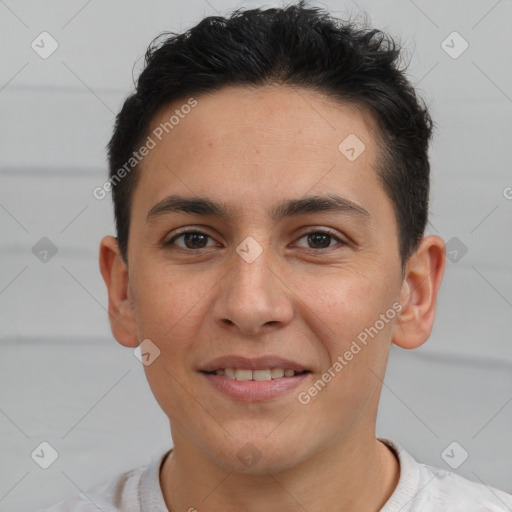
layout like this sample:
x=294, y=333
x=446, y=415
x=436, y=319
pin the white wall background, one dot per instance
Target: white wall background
x=64, y=379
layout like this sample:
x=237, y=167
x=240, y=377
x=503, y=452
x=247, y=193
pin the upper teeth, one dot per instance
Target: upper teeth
x=267, y=374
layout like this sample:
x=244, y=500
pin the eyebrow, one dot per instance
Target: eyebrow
x=288, y=208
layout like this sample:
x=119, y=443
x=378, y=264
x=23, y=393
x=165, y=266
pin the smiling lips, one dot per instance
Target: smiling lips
x=252, y=363
x=254, y=379
x=259, y=375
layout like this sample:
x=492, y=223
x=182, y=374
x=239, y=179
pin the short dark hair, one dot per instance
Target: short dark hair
x=295, y=46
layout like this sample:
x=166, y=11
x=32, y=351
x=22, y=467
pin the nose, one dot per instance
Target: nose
x=254, y=298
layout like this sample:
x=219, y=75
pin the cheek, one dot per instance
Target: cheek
x=346, y=320
x=343, y=311
x=170, y=307
x=168, y=300
x=345, y=301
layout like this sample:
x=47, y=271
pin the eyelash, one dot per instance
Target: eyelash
x=324, y=231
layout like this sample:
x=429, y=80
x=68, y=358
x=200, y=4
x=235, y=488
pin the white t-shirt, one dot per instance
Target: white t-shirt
x=421, y=488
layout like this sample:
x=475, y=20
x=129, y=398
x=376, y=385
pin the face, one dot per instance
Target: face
x=292, y=259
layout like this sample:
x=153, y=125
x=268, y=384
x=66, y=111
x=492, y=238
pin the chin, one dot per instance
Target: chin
x=252, y=455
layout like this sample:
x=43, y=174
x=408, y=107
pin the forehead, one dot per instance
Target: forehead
x=253, y=146
x=270, y=115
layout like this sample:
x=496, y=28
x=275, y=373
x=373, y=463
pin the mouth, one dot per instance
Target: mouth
x=265, y=374
x=253, y=380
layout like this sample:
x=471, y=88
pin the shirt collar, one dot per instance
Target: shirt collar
x=152, y=499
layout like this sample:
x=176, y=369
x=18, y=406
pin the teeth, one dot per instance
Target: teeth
x=277, y=373
x=261, y=375
x=258, y=375
x=243, y=374
x=229, y=372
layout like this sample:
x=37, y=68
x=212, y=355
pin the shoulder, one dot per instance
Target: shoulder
x=425, y=488
x=121, y=493
x=443, y=488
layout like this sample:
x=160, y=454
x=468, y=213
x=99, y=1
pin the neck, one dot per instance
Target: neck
x=345, y=477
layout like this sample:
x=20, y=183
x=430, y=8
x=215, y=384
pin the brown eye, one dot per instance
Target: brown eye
x=320, y=240
x=191, y=240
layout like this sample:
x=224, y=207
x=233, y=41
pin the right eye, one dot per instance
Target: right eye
x=192, y=240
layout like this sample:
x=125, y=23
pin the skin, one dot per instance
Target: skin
x=252, y=148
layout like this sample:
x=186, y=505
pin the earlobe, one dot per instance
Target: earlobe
x=120, y=304
x=418, y=297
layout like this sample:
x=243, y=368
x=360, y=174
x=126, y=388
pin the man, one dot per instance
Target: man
x=270, y=180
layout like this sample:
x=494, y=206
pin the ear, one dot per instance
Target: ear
x=423, y=276
x=120, y=308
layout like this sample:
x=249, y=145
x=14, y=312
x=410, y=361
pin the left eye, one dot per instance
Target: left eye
x=320, y=239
